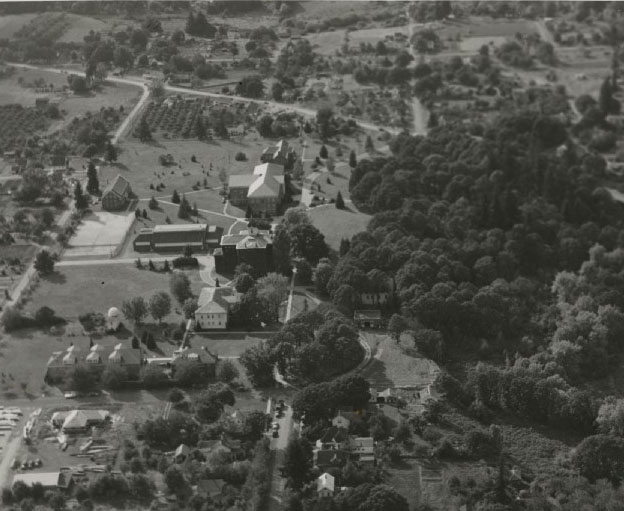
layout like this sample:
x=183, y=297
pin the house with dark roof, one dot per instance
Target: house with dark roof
x=324, y=459
x=333, y=438
x=253, y=247
x=214, y=306
x=262, y=191
x=200, y=355
x=369, y=318
x=116, y=195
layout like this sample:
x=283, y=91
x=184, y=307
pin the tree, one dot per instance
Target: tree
x=244, y=282
x=111, y=152
x=273, y=290
x=297, y=462
x=80, y=200
x=258, y=362
x=396, y=326
x=277, y=90
x=308, y=242
x=145, y=135
x=180, y=286
x=153, y=203
x=134, y=309
x=384, y=498
x=323, y=152
x=610, y=418
x=250, y=87
x=352, y=159
x=175, y=198
x=600, y=457
x=153, y=376
x=160, y=305
x=607, y=103
x=369, y=144
x=226, y=371
x=322, y=273
x=174, y=479
x=324, y=119
x=93, y=185
x=185, y=210
x=189, y=307
x=340, y=204
x=113, y=376
x=44, y=263
x=265, y=126
x=281, y=250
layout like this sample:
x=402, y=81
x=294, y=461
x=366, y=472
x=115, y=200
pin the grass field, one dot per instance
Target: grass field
x=138, y=163
x=484, y=27
x=225, y=347
x=392, y=365
x=79, y=26
x=337, y=224
x=9, y=24
x=75, y=290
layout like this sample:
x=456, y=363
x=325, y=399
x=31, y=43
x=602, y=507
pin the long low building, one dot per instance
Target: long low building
x=175, y=237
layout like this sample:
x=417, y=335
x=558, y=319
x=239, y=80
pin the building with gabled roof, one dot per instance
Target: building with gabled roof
x=78, y=421
x=262, y=191
x=176, y=237
x=214, y=306
x=324, y=459
x=325, y=485
x=333, y=438
x=48, y=480
x=116, y=195
x=276, y=153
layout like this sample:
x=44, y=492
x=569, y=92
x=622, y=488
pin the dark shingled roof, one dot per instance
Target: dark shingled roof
x=119, y=187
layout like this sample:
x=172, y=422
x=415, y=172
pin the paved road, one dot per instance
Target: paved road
x=278, y=445
x=272, y=105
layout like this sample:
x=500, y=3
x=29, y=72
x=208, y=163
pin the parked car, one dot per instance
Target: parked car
x=275, y=425
x=275, y=434
x=71, y=395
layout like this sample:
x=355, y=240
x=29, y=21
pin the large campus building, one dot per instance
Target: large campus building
x=214, y=306
x=253, y=247
x=261, y=192
x=97, y=359
x=175, y=237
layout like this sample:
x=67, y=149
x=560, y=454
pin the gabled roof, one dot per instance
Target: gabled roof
x=120, y=186
x=330, y=457
x=251, y=242
x=182, y=450
x=216, y=300
x=325, y=482
x=78, y=419
x=45, y=479
x=211, y=486
x=241, y=180
x=367, y=314
x=334, y=434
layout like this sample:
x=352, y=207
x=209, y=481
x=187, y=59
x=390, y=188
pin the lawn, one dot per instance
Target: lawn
x=230, y=347
x=76, y=290
x=396, y=366
x=338, y=224
x=138, y=163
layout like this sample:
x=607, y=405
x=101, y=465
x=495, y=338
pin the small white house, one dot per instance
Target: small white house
x=113, y=319
x=325, y=485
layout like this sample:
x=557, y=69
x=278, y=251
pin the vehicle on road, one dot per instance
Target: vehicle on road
x=275, y=434
x=275, y=425
x=71, y=395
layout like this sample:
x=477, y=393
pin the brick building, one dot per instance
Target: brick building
x=252, y=247
x=175, y=237
x=262, y=192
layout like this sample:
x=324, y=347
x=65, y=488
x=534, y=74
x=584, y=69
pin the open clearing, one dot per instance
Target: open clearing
x=394, y=366
x=337, y=224
x=76, y=290
x=225, y=347
x=11, y=23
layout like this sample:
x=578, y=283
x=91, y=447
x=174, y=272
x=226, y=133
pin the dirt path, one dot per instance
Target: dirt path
x=8, y=455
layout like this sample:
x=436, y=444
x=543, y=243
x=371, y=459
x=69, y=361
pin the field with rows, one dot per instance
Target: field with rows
x=175, y=121
x=17, y=124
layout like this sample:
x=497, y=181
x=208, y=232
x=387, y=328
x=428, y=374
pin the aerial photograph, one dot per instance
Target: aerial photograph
x=311, y=255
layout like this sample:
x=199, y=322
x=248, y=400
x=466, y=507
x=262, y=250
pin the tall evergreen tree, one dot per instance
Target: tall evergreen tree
x=79, y=198
x=111, y=152
x=340, y=204
x=200, y=129
x=184, y=211
x=352, y=160
x=93, y=184
x=175, y=198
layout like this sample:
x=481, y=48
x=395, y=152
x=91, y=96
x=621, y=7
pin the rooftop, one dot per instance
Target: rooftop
x=180, y=228
x=120, y=186
x=216, y=300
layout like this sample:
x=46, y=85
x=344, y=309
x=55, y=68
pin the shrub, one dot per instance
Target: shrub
x=240, y=156
x=46, y=317
x=175, y=395
x=13, y=319
x=185, y=262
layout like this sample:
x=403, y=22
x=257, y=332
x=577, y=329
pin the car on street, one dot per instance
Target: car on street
x=275, y=425
x=71, y=395
x=275, y=434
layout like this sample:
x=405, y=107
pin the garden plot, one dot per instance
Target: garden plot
x=18, y=124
